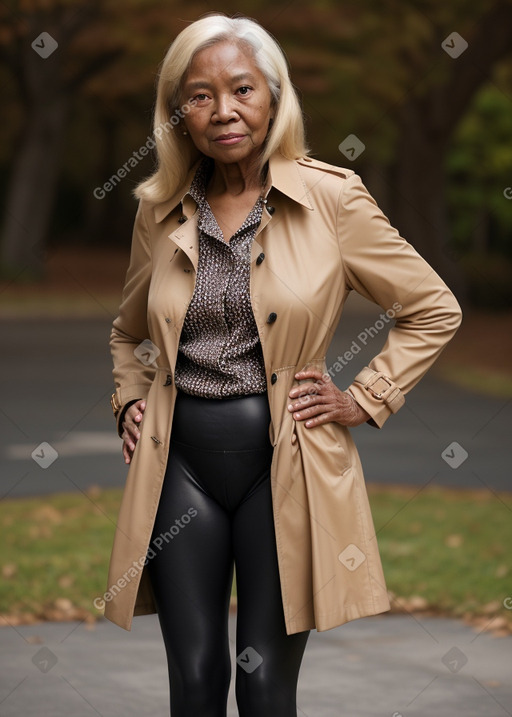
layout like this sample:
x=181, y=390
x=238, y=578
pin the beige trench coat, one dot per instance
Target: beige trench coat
x=321, y=236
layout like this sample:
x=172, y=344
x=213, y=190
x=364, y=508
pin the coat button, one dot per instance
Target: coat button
x=168, y=380
x=271, y=210
x=271, y=317
x=182, y=220
x=260, y=258
x=167, y=320
x=273, y=378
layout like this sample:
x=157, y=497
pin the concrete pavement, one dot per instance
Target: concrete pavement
x=382, y=666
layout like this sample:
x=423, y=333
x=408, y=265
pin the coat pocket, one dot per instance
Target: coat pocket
x=327, y=447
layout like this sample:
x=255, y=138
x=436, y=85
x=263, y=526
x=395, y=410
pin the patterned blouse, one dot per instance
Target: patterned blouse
x=219, y=354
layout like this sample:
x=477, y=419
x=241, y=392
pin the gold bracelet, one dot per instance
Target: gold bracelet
x=116, y=407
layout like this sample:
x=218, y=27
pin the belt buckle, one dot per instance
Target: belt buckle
x=374, y=393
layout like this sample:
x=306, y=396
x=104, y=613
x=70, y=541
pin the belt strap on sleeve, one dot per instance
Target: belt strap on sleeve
x=381, y=387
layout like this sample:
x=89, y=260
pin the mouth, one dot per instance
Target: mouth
x=231, y=138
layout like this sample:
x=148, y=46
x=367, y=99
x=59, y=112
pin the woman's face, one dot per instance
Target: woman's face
x=230, y=103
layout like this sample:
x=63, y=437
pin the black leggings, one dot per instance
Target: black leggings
x=216, y=508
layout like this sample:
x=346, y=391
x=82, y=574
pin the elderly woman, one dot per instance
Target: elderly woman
x=244, y=250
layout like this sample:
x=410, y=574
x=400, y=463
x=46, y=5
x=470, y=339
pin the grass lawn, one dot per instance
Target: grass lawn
x=447, y=548
x=443, y=550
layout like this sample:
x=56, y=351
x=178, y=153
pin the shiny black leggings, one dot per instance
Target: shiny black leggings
x=216, y=509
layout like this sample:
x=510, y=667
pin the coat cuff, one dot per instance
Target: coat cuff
x=377, y=394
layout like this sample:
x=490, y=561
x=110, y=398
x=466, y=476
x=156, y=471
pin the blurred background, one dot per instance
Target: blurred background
x=416, y=97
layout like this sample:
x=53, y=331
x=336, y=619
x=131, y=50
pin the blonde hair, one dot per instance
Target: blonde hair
x=176, y=153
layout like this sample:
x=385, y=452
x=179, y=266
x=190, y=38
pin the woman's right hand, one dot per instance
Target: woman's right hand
x=131, y=425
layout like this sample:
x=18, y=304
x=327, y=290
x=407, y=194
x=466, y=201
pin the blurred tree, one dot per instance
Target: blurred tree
x=381, y=71
x=480, y=170
x=114, y=110
x=429, y=117
x=87, y=39
x=396, y=76
x=479, y=195
x=35, y=45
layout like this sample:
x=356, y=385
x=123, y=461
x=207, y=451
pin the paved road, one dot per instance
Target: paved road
x=57, y=384
x=383, y=666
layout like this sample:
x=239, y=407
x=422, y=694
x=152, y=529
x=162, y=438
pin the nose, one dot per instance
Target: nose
x=224, y=110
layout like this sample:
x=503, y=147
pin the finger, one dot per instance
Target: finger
x=126, y=454
x=307, y=402
x=313, y=411
x=134, y=429
x=309, y=393
x=139, y=407
x=321, y=419
x=303, y=401
x=134, y=415
x=128, y=439
x=321, y=380
x=304, y=389
x=309, y=373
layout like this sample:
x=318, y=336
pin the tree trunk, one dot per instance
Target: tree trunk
x=46, y=86
x=418, y=204
x=32, y=190
x=102, y=216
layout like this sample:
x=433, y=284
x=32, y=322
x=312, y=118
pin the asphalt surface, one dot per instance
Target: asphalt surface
x=58, y=381
x=383, y=666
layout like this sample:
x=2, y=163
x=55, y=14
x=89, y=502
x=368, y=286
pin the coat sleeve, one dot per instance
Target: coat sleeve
x=383, y=267
x=132, y=377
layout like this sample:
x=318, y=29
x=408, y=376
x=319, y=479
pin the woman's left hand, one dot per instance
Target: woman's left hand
x=320, y=401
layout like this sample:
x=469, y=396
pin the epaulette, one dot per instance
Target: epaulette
x=342, y=172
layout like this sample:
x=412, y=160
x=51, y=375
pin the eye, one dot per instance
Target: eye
x=200, y=97
x=244, y=90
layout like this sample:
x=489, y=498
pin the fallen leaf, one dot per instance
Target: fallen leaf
x=8, y=570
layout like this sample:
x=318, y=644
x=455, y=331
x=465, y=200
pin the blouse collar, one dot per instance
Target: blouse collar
x=283, y=175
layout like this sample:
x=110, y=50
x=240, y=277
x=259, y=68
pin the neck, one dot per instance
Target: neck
x=236, y=178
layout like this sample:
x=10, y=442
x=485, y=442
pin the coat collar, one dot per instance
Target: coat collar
x=284, y=175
